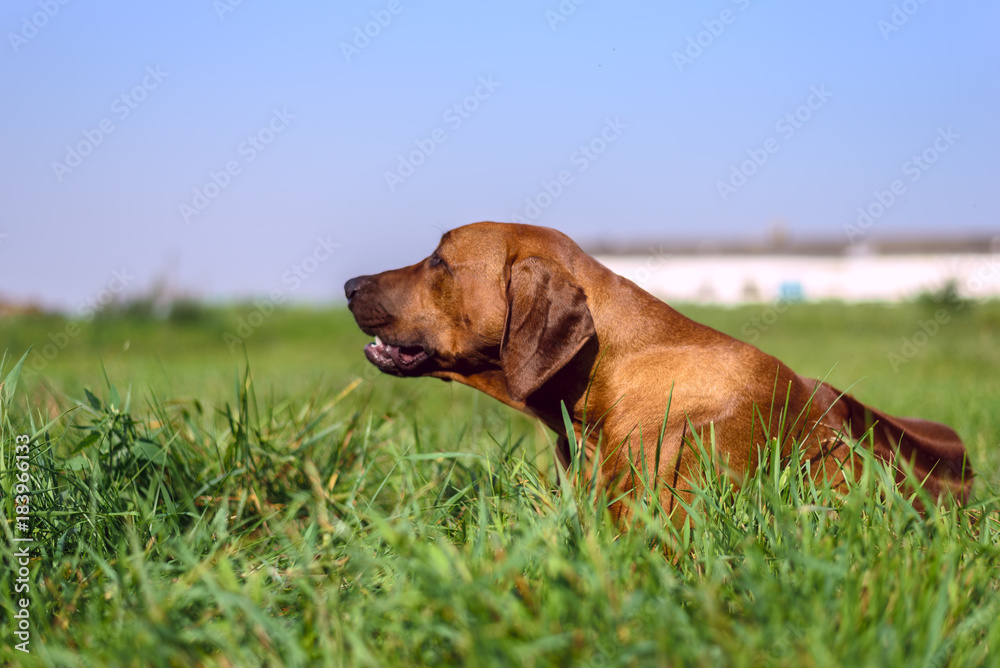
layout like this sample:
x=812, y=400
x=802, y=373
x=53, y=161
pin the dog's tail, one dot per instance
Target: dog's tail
x=933, y=450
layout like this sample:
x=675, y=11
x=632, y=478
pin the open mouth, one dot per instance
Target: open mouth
x=395, y=359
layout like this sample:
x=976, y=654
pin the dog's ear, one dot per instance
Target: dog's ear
x=548, y=322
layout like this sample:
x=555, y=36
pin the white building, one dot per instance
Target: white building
x=874, y=271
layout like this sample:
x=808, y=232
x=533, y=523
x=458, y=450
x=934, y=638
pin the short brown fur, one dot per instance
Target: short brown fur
x=523, y=314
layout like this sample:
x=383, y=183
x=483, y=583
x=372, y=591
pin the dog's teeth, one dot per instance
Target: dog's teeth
x=378, y=341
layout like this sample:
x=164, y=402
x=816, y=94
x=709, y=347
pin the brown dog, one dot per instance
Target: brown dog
x=522, y=314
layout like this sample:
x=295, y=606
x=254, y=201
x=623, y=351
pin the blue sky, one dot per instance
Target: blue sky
x=249, y=144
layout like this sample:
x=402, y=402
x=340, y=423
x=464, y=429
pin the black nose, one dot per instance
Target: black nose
x=352, y=286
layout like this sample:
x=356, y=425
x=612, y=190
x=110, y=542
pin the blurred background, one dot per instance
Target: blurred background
x=186, y=186
x=720, y=152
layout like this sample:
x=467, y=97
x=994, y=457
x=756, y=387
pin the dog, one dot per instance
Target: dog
x=521, y=313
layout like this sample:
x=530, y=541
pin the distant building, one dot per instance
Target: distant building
x=725, y=273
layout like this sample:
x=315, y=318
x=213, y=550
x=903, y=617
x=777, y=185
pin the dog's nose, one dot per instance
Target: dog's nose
x=352, y=286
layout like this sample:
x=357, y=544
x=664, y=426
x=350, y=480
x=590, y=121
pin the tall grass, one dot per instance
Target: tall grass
x=325, y=530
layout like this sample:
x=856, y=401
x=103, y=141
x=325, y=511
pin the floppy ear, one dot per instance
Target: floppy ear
x=547, y=324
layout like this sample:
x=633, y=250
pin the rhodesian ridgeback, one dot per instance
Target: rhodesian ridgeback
x=523, y=314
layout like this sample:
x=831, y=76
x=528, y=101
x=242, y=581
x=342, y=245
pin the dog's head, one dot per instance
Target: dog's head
x=492, y=296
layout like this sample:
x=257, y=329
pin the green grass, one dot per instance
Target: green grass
x=189, y=511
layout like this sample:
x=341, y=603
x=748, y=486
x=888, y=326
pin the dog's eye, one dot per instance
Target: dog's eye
x=436, y=261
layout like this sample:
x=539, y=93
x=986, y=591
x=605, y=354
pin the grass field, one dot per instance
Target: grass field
x=195, y=503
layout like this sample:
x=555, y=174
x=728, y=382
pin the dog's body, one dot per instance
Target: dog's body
x=522, y=314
